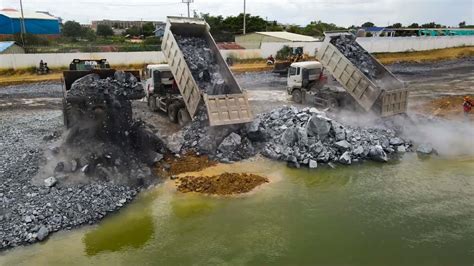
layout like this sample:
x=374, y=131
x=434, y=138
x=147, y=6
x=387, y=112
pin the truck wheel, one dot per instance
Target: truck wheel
x=152, y=103
x=173, y=112
x=183, y=117
x=296, y=96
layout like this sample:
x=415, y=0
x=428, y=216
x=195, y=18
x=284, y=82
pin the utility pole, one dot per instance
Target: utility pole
x=188, y=2
x=244, y=16
x=22, y=26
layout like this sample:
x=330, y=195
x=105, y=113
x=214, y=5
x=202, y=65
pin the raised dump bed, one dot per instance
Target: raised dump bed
x=373, y=86
x=200, y=71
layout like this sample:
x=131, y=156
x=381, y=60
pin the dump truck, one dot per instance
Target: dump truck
x=231, y=107
x=162, y=94
x=382, y=93
x=75, y=107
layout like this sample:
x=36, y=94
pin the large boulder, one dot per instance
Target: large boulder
x=425, y=149
x=318, y=126
x=50, y=181
x=175, y=142
x=339, y=131
x=342, y=145
x=230, y=143
x=42, y=233
x=289, y=137
x=345, y=158
x=377, y=153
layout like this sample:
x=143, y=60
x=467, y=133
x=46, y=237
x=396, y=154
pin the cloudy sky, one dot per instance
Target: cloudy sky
x=341, y=12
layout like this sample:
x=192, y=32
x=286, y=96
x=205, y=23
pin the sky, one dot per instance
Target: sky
x=299, y=12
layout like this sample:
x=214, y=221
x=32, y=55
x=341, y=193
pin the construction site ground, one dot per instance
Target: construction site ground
x=31, y=116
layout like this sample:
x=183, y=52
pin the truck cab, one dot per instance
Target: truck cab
x=163, y=94
x=304, y=76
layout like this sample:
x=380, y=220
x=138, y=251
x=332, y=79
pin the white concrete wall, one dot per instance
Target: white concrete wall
x=404, y=44
x=271, y=48
x=18, y=61
x=371, y=44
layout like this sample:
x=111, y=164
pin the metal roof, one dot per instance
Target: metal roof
x=5, y=45
x=27, y=14
x=288, y=36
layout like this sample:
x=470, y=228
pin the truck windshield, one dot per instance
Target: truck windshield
x=166, y=75
x=292, y=71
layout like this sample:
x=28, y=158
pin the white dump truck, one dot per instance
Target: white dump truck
x=382, y=93
x=162, y=94
x=222, y=109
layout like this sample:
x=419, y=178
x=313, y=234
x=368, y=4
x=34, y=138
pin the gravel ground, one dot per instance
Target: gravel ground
x=28, y=213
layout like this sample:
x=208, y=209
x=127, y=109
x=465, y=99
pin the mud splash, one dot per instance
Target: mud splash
x=222, y=184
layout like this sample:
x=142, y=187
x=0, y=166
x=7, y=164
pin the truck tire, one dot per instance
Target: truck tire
x=183, y=116
x=173, y=112
x=296, y=96
x=152, y=103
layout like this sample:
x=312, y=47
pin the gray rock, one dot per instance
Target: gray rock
x=313, y=164
x=401, y=149
x=342, y=145
x=319, y=126
x=230, y=143
x=358, y=151
x=425, y=148
x=42, y=233
x=289, y=137
x=339, y=131
x=50, y=181
x=345, y=158
x=377, y=153
x=396, y=141
x=175, y=142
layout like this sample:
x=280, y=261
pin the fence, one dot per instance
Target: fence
x=18, y=61
x=404, y=44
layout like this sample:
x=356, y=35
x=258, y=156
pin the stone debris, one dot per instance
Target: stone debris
x=356, y=54
x=299, y=137
x=203, y=65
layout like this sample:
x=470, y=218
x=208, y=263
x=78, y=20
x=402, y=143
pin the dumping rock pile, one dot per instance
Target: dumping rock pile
x=203, y=64
x=356, y=54
x=123, y=84
x=300, y=137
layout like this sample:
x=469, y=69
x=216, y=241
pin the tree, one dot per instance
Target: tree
x=317, y=28
x=431, y=25
x=462, y=24
x=88, y=33
x=148, y=29
x=414, y=25
x=397, y=25
x=133, y=31
x=273, y=26
x=368, y=25
x=104, y=30
x=72, y=29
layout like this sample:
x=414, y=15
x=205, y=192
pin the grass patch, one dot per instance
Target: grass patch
x=425, y=56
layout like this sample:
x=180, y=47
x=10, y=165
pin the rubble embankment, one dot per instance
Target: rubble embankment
x=98, y=166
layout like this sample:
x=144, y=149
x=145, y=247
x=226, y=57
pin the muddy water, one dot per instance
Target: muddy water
x=413, y=211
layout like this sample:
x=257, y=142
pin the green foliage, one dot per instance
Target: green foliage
x=148, y=29
x=72, y=29
x=368, y=24
x=88, y=34
x=432, y=25
x=133, y=31
x=462, y=24
x=413, y=25
x=317, y=28
x=273, y=26
x=152, y=40
x=31, y=40
x=224, y=29
x=104, y=30
x=396, y=25
x=284, y=52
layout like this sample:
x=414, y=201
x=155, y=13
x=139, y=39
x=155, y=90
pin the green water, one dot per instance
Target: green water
x=411, y=212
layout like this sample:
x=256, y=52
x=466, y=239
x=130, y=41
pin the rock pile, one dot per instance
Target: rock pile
x=356, y=54
x=300, y=137
x=123, y=84
x=308, y=137
x=203, y=64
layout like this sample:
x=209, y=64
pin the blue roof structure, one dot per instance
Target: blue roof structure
x=35, y=23
x=5, y=45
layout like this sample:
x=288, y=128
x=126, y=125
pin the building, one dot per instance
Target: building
x=35, y=23
x=255, y=40
x=123, y=24
x=11, y=47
